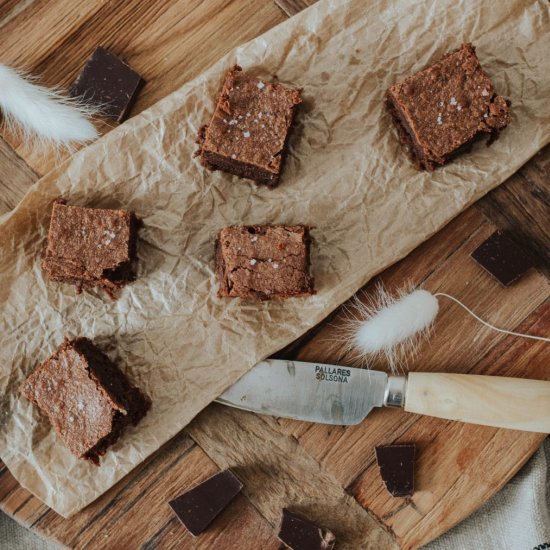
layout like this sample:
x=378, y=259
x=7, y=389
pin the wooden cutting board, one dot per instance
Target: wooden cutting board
x=327, y=473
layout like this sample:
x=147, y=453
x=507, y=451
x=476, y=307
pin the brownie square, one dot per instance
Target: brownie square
x=441, y=110
x=502, y=258
x=248, y=133
x=264, y=261
x=108, y=83
x=87, y=399
x=91, y=247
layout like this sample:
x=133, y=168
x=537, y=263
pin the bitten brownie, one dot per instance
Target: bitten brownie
x=264, y=261
x=249, y=131
x=91, y=247
x=87, y=399
x=441, y=110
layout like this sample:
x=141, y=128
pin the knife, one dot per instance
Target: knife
x=332, y=394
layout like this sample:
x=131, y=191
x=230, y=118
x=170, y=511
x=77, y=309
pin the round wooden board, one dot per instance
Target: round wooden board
x=326, y=473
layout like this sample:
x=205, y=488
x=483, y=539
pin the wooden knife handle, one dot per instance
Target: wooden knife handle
x=497, y=401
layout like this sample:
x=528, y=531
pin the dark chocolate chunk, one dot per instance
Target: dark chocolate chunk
x=249, y=130
x=500, y=256
x=396, y=464
x=87, y=398
x=108, y=83
x=300, y=534
x=442, y=110
x=197, y=508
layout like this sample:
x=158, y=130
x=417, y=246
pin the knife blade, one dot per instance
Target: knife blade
x=328, y=394
x=333, y=394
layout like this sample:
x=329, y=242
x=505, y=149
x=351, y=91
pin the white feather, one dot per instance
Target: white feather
x=40, y=113
x=381, y=327
x=397, y=322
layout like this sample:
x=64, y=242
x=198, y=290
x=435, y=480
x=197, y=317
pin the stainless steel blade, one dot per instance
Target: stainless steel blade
x=327, y=394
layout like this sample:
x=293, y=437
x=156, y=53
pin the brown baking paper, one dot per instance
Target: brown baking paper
x=346, y=174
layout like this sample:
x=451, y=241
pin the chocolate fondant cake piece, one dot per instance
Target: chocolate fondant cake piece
x=264, y=261
x=91, y=247
x=443, y=109
x=108, y=83
x=249, y=130
x=299, y=534
x=86, y=397
x=500, y=256
x=396, y=464
x=197, y=508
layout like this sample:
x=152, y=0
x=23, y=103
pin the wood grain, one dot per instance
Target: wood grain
x=327, y=473
x=15, y=178
x=292, y=7
x=522, y=206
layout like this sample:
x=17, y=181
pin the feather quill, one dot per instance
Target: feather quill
x=39, y=113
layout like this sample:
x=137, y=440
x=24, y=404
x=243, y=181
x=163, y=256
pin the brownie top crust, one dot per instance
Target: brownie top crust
x=264, y=261
x=79, y=400
x=252, y=120
x=93, y=239
x=448, y=104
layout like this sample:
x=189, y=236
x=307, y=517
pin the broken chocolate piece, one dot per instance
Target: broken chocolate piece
x=396, y=464
x=500, y=256
x=108, y=83
x=198, y=507
x=300, y=534
x=87, y=398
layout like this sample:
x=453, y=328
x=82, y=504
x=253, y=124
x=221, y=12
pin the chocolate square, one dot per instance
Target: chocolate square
x=86, y=397
x=300, y=534
x=248, y=133
x=396, y=464
x=264, y=261
x=108, y=83
x=91, y=247
x=443, y=109
x=501, y=257
x=198, y=507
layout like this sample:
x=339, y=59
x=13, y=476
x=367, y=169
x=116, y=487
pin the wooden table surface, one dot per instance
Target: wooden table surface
x=327, y=473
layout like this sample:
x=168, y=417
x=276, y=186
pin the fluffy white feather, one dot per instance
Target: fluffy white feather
x=397, y=322
x=388, y=328
x=40, y=113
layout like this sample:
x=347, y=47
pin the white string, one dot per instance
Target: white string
x=541, y=338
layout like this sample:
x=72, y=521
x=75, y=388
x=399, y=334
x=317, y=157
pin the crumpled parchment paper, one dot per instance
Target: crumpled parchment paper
x=346, y=175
